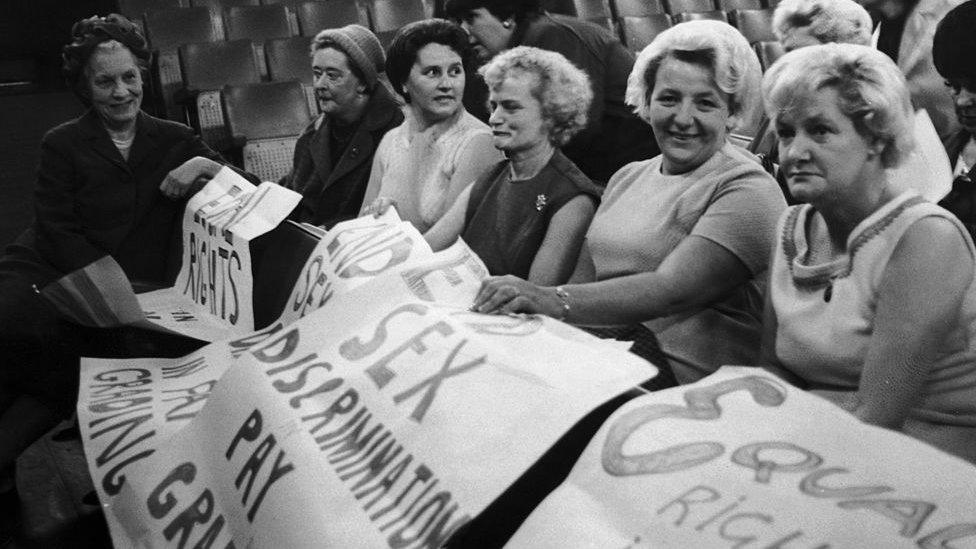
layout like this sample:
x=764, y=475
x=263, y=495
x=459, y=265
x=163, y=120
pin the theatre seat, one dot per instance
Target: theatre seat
x=638, y=32
x=316, y=16
x=166, y=30
x=206, y=68
x=288, y=59
x=259, y=24
x=265, y=120
x=755, y=24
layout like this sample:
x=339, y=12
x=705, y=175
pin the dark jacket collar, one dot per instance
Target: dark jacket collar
x=381, y=111
x=147, y=129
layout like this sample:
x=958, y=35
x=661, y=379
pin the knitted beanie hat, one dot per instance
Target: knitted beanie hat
x=955, y=42
x=361, y=46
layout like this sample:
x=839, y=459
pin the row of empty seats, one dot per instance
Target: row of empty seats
x=638, y=31
x=232, y=18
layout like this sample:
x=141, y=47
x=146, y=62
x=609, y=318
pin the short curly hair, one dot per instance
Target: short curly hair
x=402, y=52
x=733, y=63
x=843, y=21
x=561, y=88
x=871, y=91
x=87, y=35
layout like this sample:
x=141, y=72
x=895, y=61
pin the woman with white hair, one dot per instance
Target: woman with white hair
x=888, y=336
x=527, y=214
x=799, y=23
x=680, y=240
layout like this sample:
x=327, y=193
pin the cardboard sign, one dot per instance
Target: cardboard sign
x=741, y=459
x=212, y=297
x=380, y=419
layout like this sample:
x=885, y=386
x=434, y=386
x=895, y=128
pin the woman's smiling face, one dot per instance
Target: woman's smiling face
x=689, y=115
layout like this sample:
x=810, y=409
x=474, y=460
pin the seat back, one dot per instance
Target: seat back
x=711, y=15
x=206, y=68
x=390, y=15
x=638, y=32
x=265, y=110
x=768, y=52
x=135, y=10
x=732, y=5
x=637, y=8
x=315, y=16
x=288, y=59
x=258, y=23
x=689, y=6
x=755, y=25
x=166, y=29
x=265, y=120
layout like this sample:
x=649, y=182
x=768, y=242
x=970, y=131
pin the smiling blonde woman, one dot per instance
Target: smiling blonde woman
x=680, y=240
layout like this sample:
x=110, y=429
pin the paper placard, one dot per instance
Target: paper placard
x=212, y=296
x=742, y=459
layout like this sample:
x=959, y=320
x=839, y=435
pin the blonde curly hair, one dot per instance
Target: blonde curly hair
x=562, y=89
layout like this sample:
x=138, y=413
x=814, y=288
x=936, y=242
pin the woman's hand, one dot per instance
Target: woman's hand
x=189, y=177
x=511, y=294
x=379, y=206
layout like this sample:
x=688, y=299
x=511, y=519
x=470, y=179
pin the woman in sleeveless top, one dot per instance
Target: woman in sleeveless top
x=527, y=215
x=872, y=296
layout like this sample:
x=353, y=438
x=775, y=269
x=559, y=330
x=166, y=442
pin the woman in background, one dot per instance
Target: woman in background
x=527, y=214
x=423, y=165
x=680, y=241
x=872, y=296
x=613, y=135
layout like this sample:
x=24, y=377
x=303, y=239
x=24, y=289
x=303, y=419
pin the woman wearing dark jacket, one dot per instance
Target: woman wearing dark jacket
x=334, y=155
x=110, y=183
x=614, y=136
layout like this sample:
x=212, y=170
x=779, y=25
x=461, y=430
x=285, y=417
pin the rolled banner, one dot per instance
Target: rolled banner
x=98, y=295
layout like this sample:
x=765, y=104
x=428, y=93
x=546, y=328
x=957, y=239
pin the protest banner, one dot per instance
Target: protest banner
x=212, y=296
x=380, y=419
x=742, y=459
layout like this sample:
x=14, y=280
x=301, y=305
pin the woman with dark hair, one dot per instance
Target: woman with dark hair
x=110, y=183
x=614, y=136
x=424, y=164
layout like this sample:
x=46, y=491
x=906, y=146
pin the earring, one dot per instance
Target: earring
x=507, y=24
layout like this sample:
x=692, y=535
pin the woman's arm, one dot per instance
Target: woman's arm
x=697, y=272
x=477, y=156
x=559, y=250
x=767, y=353
x=375, y=180
x=449, y=227
x=585, y=268
x=918, y=304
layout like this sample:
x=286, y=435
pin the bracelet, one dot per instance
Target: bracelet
x=563, y=296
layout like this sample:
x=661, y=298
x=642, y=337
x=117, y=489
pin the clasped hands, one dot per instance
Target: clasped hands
x=189, y=177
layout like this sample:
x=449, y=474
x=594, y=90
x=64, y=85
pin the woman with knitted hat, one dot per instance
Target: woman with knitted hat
x=334, y=154
x=111, y=183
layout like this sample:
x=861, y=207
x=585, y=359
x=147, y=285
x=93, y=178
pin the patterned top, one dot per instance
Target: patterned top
x=826, y=312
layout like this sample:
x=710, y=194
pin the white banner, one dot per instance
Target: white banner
x=381, y=419
x=211, y=299
x=741, y=459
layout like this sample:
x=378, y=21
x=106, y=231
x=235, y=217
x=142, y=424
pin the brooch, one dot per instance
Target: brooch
x=540, y=202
